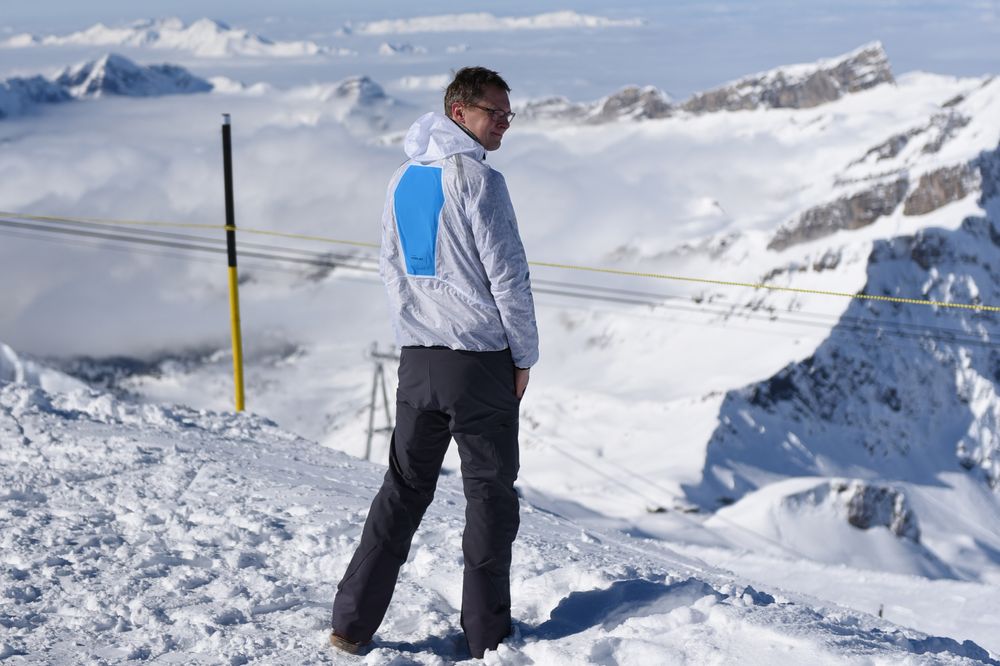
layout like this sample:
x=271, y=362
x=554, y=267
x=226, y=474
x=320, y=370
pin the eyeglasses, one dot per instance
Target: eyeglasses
x=496, y=114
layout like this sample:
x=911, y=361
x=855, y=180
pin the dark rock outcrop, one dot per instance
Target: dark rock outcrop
x=933, y=190
x=851, y=212
x=889, y=148
x=943, y=127
x=632, y=102
x=871, y=506
x=941, y=187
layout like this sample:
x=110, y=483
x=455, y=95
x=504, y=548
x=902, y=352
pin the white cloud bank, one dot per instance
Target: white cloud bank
x=486, y=22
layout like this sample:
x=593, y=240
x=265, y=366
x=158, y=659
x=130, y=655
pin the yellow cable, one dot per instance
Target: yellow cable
x=544, y=264
x=772, y=287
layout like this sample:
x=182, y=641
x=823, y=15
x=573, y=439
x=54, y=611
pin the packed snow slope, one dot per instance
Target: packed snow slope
x=152, y=532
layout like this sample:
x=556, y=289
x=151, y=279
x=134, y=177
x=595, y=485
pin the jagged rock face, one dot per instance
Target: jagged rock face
x=116, y=75
x=901, y=391
x=897, y=158
x=888, y=149
x=827, y=261
x=933, y=190
x=871, y=506
x=631, y=102
x=941, y=187
x=799, y=87
x=941, y=128
x=852, y=212
x=796, y=87
x=865, y=505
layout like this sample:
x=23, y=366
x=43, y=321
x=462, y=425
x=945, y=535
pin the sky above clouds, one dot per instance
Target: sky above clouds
x=684, y=47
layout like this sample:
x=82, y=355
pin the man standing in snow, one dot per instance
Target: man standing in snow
x=457, y=279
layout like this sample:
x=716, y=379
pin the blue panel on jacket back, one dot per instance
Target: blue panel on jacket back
x=418, y=200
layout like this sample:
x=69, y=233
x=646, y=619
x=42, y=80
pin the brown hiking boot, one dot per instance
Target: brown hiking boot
x=346, y=645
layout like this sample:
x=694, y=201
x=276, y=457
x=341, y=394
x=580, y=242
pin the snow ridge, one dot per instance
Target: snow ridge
x=205, y=38
x=110, y=74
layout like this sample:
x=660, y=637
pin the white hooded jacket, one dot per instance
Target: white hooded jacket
x=452, y=259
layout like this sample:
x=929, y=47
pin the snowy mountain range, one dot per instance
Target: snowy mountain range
x=111, y=74
x=204, y=38
x=799, y=86
x=116, y=75
x=794, y=87
x=894, y=392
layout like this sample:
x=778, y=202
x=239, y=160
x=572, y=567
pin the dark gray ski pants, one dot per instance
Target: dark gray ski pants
x=443, y=393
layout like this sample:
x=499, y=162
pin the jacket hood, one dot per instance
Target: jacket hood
x=435, y=136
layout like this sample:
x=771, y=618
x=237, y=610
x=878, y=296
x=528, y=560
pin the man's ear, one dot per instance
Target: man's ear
x=458, y=112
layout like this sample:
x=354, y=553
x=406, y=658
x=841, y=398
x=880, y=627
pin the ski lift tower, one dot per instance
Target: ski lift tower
x=379, y=358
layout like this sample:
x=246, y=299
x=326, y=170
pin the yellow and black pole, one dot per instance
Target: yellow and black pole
x=234, y=290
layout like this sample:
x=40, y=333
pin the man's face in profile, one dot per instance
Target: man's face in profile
x=486, y=118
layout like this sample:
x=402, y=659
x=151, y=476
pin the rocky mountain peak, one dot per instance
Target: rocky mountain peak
x=629, y=103
x=360, y=90
x=793, y=86
x=633, y=102
x=113, y=74
x=800, y=86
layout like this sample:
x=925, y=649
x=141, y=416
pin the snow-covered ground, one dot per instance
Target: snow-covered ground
x=680, y=441
x=135, y=533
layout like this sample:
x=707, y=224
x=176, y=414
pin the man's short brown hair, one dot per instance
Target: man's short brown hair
x=469, y=85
